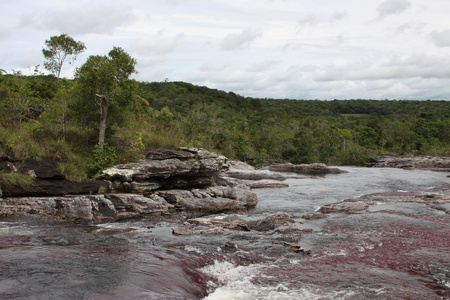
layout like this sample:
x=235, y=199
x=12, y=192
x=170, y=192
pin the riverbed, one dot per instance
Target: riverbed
x=395, y=249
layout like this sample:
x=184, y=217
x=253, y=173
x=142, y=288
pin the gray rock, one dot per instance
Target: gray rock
x=213, y=200
x=87, y=208
x=345, y=206
x=308, y=169
x=255, y=176
x=162, y=164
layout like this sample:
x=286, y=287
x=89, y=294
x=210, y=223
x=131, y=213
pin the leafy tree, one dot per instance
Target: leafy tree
x=104, y=80
x=58, y=50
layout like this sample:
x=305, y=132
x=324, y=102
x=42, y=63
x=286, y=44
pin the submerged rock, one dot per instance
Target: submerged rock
x=345, y=206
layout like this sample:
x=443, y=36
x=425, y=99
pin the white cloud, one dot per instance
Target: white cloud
x=339, y=16
x=89, y=19
x=441, y=38
x=392, y=7
x=156, y=45
x=240, y=40
x=322, y=49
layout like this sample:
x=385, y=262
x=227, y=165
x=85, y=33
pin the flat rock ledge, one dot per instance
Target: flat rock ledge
x=427, y=162
x=306, y=169
x=184, y=182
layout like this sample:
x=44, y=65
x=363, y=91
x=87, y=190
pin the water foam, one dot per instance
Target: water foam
x=235, y=283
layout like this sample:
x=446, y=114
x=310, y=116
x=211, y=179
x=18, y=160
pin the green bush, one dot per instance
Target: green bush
x=102, y=158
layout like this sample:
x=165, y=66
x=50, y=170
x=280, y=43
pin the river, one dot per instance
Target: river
x=396, y=249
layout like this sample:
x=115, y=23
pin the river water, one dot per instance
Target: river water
x=397, y=249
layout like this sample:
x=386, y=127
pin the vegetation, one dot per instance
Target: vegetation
x=59, y=49
x=45, y=116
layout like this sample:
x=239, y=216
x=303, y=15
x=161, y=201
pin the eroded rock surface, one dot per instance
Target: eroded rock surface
x=345, y=206
x=307, y=169
x=434, y=163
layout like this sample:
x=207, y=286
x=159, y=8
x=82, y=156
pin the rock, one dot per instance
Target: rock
x=168, y=181
x=307, y=169
x=345, y=206
x=212, y=200
x=87, y=208
x=313, y=216
x=48, y=181
x=255, y=176
x=267, y=185
x=44, y=168
x=239, y=165
x=181, y=168
x=427, y=162
x=271, y=222
x=49, y=188
x=232, y=222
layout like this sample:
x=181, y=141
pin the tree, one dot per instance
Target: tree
x=104, y=80
x=59, y=49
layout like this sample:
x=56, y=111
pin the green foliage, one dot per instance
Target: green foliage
x=15, y=179
x=103, y=87
x=42, y=117
x=102, y=158
x=59, y=49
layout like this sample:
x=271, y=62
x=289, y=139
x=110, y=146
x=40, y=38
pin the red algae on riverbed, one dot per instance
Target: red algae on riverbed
x=387, y=257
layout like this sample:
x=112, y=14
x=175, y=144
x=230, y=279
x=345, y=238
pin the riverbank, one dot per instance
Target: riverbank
x=434, y=163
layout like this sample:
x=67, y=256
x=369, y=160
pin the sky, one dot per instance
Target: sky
x=282, y=49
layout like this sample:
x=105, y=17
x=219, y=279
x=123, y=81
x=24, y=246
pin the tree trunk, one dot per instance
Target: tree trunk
x=103, y=115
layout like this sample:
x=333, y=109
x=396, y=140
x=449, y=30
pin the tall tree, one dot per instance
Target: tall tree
x=58, y=50
x=105, y=80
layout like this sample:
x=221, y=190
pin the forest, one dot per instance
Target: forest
x=103, y=117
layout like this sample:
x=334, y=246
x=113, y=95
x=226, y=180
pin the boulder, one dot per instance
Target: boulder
x=271, y=222
x=212, y=200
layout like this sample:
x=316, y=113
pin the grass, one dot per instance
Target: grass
x=15, y=179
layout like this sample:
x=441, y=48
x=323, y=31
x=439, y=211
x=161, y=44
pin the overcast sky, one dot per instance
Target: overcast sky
x=297, y=49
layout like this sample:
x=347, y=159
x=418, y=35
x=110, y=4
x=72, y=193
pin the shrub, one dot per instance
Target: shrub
x=102, y=158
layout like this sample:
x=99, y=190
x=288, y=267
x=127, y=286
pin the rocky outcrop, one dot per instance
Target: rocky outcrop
x=307, y=169
x=212, y=200
x=434, y=163
x=183, y=182
x=48, y=181
x=86, y=208
x=166, y=169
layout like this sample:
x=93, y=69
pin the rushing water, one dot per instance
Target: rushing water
x=397, y=249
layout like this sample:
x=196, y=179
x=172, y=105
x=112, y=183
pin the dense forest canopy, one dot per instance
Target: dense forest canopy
x=44, y=116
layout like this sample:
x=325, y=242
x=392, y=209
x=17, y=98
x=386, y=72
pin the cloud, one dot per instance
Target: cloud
x=240, y=40
x=410, y=27
x=441, y=38
x=156, y=45
x=392, y=7
x=339, y=16
x=308, y=20
x=90, y=19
